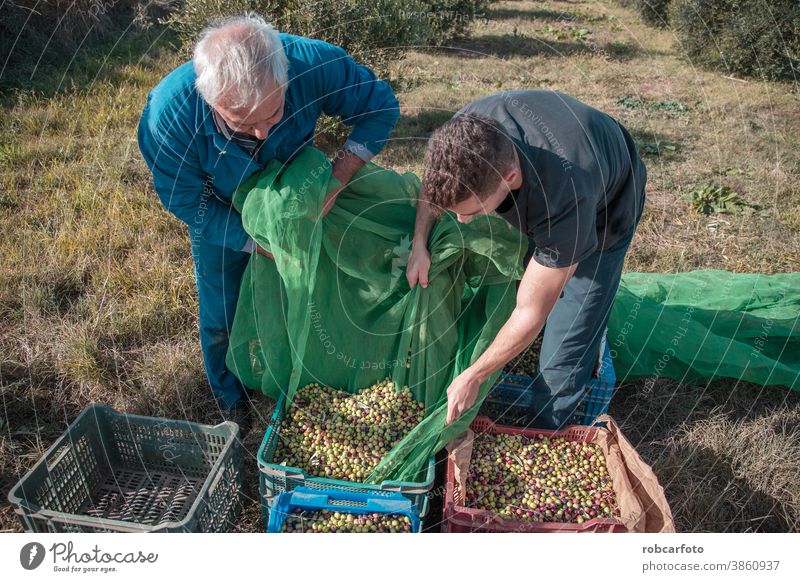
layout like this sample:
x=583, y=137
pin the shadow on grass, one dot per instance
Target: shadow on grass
x=54, y=72
x=534, y=14
x=653, y=407
x=421, y=123
x=621, y=51
x=653, y=145
x=708, y=496
x=526, y=46
x=509, y=45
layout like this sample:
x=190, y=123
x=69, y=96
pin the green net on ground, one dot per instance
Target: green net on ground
x=334, y=307
x=703, y=325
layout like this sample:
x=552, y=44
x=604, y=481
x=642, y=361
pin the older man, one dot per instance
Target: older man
x=250, y=95
x=570, y=178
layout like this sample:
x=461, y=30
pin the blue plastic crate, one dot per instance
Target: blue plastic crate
x=275, y=479
x=512, y=397
x=343, y=502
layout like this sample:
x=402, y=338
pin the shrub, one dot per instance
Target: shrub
x=748, y=37
x=30, y=27
x=194, y=15
x=374, y=33
x=654, y=12
x=365, y=31
x=449, y=19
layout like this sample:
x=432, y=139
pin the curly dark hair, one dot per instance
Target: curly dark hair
x=467, y=155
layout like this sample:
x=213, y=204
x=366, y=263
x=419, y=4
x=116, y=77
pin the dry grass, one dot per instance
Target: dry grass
x=743, y=134
x=97, y=298
x=727, y=454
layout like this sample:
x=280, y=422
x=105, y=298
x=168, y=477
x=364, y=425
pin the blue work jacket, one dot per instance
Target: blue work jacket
x=186, y=152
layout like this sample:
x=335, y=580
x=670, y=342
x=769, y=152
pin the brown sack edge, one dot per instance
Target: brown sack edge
x=459, y=450
x=640, y=496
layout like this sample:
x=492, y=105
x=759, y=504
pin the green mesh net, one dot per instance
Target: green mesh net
x=703, y=325
x=335, y=308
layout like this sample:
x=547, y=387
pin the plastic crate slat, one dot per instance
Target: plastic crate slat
x=512, y=393
x=147, y=498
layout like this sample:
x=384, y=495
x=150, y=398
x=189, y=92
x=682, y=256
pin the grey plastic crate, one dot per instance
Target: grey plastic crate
x=117, y=472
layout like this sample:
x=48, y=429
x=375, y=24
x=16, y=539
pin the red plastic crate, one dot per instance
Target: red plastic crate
x=460, y=519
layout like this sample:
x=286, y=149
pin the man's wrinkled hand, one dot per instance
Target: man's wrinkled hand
x=264, y=253
x=330, y=200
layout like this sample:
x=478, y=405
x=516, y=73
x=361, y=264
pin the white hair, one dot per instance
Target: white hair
x=237, y=60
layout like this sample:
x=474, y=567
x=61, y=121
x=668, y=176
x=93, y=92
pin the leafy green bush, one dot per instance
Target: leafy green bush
x=374, y=33
x=710, y=197
x=749, y=37
x=449, y=19
x=654, y=12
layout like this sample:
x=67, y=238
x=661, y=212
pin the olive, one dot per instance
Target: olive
x=559, y=480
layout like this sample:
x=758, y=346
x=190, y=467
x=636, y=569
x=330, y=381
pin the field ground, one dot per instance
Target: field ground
x=97, y=297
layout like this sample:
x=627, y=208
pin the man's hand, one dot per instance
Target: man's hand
x=344, y=167
x=419, y=263
x=330, y=200
x=264, y=253
x=461, y=394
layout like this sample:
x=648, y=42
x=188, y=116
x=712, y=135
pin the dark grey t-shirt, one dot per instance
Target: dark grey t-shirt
x=583, y=181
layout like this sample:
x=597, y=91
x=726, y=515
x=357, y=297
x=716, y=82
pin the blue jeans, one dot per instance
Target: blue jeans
x=573, y=334
x=218, y=274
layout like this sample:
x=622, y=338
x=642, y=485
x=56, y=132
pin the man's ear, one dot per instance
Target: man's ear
x=511, y=176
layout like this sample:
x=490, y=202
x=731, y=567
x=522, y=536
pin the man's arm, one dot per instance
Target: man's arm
x=353, y=92
x=344, y=167
x=179, y=182
x=538, y=292
x=419, y=261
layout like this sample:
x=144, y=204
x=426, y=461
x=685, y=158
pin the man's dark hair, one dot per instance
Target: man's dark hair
x=467, y=155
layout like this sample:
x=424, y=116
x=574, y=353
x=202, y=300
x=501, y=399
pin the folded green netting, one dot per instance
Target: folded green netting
x=334, y=307
x=703, y=325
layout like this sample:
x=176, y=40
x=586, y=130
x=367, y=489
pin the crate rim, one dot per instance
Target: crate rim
x=265, y=467
x=467, y=517
x=75, y=519
x=484, y=424
x=277, y=515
